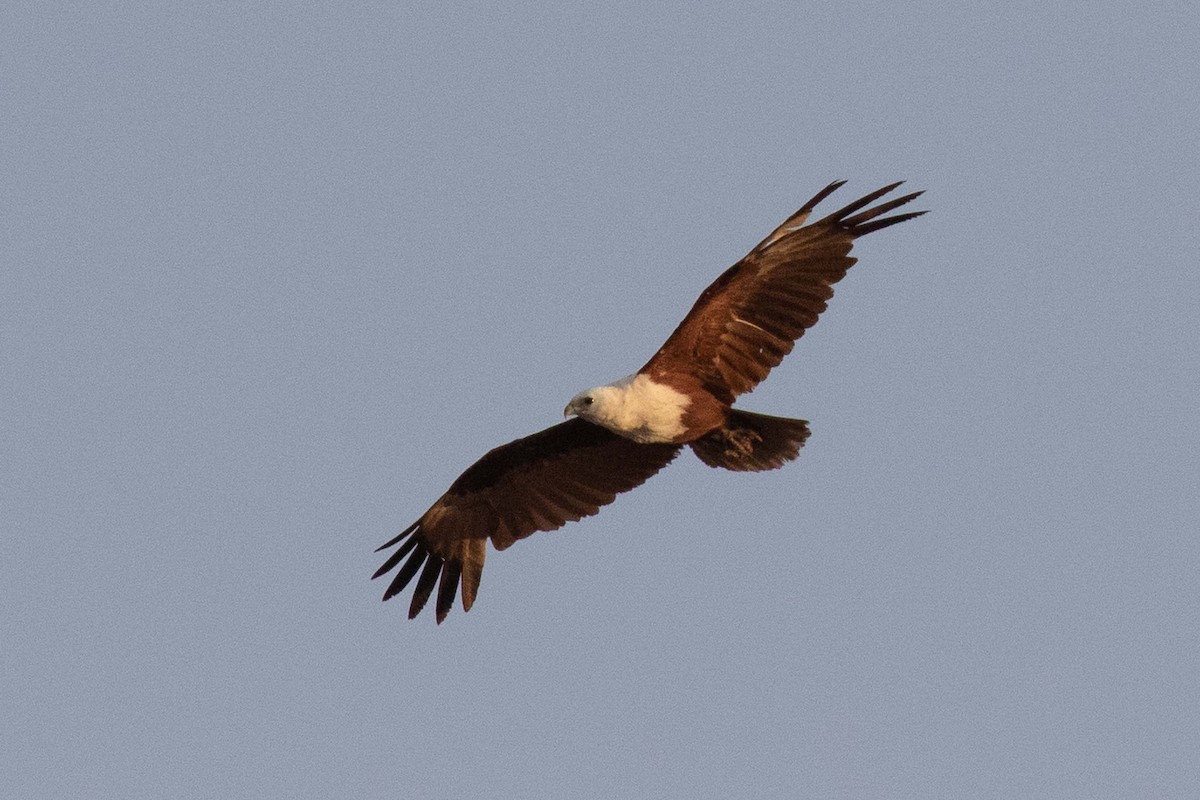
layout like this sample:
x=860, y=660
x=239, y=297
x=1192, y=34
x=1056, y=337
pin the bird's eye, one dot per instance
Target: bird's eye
x=587, y=401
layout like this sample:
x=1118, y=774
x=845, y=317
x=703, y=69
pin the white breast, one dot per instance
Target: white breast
x=640, y=409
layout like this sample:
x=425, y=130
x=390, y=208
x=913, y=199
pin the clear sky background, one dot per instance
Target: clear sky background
x=273, y=275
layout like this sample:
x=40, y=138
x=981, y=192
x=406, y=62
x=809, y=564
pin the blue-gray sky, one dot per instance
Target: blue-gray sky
x=272, y=276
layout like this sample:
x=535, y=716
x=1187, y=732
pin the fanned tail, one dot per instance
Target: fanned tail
x=752, y=442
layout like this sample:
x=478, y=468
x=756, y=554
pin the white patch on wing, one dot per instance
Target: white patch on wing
x=750, y=324
x=777, y=235
x=638, y=408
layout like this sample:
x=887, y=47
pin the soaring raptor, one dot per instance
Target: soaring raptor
x=624, y=432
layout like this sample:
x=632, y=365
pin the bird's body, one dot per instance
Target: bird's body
x=741, y=327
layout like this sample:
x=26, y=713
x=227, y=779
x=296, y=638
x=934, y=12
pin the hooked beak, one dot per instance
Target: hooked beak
x=569, y=410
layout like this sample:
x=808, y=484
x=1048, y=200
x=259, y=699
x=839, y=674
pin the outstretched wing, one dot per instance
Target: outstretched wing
x=749, y=318
x=537, y=483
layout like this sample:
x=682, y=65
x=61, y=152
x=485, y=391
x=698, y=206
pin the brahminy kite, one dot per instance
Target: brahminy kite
x=625, y=431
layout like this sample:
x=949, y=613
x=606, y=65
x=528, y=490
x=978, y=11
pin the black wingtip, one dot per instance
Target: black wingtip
x=406, y=573
x=861, y=230
x=406, y=532
x=425, y=585
x=859, y=218
x=395, y=558
x=448, y=588
x=819, y=196
x=862, y=202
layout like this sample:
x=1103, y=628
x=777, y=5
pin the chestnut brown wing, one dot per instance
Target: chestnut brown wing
x=537, y=483
x=750, y=317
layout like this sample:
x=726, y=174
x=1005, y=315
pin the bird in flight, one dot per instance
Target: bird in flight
x=623, y=432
